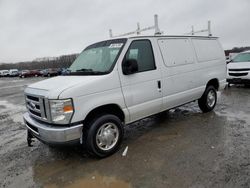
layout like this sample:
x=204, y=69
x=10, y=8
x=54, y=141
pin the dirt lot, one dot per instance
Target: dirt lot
x=180, y=148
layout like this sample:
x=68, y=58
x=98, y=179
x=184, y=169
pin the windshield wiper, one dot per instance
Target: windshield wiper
x=84, y=70
x=90, y=71
x=87, y=72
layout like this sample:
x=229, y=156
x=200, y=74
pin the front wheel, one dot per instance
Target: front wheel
x=103, y=135
x=208, y=100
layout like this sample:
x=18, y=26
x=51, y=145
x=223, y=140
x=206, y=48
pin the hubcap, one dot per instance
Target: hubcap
x=211, y=98
x=107, y=136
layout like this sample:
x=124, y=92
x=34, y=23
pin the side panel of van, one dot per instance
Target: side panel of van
x=189, y=64
x=211, y=62
x=178, y=82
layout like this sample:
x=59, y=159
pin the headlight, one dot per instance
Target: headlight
x=61, y=111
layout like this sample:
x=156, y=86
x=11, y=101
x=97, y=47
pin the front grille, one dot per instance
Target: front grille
x=239, y=69
x=33, y=98
x=36, y=107
x=238, y=74
x=35, y=113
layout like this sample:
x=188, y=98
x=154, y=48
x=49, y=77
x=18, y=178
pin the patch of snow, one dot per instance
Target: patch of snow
x=14, y=111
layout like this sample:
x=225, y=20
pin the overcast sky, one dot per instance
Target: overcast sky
x=39, y=28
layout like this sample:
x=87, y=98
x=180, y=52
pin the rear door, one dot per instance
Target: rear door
x=142, y=90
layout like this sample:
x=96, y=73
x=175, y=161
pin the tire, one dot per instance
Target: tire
x=94, y=144
x=48, y=75
x=208, y=100
x=247, y=85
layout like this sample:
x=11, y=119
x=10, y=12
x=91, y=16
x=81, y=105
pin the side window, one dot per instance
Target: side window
x=141, y=50
x=176, y=52
x=207, y=49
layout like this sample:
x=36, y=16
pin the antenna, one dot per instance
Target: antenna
x=139, y=30
x=202, y=30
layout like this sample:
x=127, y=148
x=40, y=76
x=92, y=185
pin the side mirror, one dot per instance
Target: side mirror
x=129, y=66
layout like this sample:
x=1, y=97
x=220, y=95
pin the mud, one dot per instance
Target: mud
x=179, y=148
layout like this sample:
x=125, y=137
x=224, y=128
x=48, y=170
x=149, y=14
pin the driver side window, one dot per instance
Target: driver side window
x=141, y=51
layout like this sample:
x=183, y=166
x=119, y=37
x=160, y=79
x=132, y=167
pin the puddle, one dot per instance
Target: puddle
x=72, y=171
x=164, y=138
x=232, y=116
x=58, y=175
x=93, y=180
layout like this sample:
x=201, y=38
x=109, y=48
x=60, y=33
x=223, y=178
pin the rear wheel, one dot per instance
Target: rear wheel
x=103, y=135
x=208, y=100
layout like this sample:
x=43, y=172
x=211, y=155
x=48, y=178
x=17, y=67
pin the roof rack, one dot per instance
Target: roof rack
x=208, y=29
x=139, y=30
x=157, y=30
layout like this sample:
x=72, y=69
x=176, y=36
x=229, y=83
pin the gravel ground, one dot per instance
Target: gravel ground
x=180, y=148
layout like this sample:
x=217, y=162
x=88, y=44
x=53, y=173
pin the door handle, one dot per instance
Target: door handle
x=159, y=85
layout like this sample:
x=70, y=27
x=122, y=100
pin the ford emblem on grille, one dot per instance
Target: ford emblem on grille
x=32, y=105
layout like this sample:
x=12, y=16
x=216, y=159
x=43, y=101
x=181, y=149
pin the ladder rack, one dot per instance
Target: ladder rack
x=157, y=30
x=208, y=29
x=139, y=30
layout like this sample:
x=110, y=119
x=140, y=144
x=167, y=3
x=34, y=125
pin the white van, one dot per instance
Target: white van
x=1, y=73
x=238, y=69
x=4, y=73
x=13, y=72
x=117, y=82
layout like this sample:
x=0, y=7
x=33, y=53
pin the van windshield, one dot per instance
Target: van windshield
x=244, y=57
x=98, y=58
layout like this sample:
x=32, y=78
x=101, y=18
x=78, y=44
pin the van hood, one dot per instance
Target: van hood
x=239, y=65
x=53, y=87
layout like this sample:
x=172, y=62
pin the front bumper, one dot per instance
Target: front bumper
x=238, y=81
x=52, y=134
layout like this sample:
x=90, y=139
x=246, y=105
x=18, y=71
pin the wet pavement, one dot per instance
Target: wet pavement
x=179, y=148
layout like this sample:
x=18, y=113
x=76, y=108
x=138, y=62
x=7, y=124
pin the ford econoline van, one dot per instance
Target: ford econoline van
x=238, y=69
x=119, y=81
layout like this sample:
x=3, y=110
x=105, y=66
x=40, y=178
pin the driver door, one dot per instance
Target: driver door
x=142, y=90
